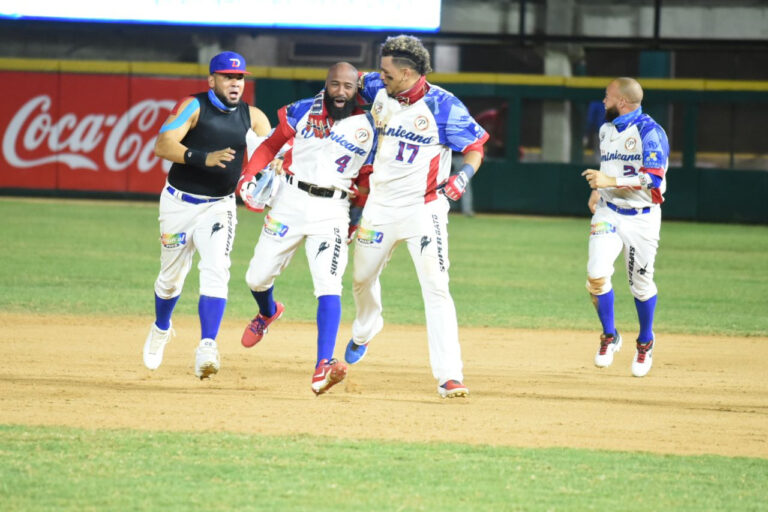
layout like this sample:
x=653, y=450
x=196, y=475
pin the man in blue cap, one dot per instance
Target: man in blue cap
x=205, y=138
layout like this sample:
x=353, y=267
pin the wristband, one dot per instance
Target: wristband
x=468, y=171
x=195, y=157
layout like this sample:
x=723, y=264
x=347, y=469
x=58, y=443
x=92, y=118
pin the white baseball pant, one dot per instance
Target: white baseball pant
x=294, y=217
x=424, y=230
x=209, y=229
x=637, y=235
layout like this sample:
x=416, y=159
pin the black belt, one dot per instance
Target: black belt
x=314, y=190
x=189, y=198
x=627, y=211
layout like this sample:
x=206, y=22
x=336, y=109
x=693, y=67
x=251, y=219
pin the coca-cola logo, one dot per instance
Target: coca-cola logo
x=130, y=137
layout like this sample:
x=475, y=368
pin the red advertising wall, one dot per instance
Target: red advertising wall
x=96, y=132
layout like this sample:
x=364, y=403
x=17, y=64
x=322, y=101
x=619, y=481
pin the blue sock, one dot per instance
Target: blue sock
x=164, y=310
x=265, y=301
x=605, y=311
x=645, y=312
x=328, y=320
x=211, y=311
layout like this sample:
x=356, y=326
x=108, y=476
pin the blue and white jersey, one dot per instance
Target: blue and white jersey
x=634, y=145
x=414, y=148
x=333, y=160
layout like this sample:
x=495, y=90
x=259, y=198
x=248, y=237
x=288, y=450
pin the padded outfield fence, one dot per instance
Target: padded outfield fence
x=718, y=168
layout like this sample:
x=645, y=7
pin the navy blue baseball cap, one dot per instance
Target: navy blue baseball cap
x=228, y=62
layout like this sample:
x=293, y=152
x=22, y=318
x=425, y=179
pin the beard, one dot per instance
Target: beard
x=611, y=113
x=335, y=112
x=225, y=100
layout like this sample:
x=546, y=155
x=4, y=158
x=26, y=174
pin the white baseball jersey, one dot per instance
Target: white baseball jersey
x=330, y=161
x=634, y=145
x=629, y=218
x=414, y=150
x=313, y=159
x=413, y=157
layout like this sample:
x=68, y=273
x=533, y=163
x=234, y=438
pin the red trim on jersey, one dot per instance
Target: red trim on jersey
x=656, y=196
x=364, y=176
x=175, y=110
x=434, y=166
x=415, y=93
x=477, y=146
x=653, y=170
x=270, y=147
x=363, y=180
x=288, y=160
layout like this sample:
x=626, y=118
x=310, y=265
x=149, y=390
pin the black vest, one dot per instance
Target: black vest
x=215, y=130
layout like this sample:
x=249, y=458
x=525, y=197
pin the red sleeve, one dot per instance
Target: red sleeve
x=654, y=171
x=269, y=148
x=477, y=146
x=363, y=180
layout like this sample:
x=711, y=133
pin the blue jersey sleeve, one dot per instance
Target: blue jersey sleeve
x=655, y=146
x=296, y=110
x=370, y=84
x=375, y=145
x=456, y=127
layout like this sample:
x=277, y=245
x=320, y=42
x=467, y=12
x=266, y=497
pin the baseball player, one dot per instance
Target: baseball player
x=205, y=138
x=626, y=209
x=332, y=141
x=419, y=125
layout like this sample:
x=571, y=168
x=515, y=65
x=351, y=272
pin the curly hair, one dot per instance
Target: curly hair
x=407, y=51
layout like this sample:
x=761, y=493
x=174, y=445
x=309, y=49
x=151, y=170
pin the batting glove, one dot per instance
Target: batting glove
x=256, y=191
x=456, y=185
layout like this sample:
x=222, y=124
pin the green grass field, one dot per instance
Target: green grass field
x=525, y=272
x=86, y=258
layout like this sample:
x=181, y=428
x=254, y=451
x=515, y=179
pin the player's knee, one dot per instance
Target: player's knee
x=327, y=288
x=168, y=289
x=361, y=276
x=598, y=285
x=257, y=280
x=643, y=291
x=214, y=282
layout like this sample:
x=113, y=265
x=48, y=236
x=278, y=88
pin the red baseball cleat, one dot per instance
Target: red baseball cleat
x=328, y=374
x=258, y=326
x=452, y=389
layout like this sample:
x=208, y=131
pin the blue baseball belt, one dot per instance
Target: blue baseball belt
x=628, y=211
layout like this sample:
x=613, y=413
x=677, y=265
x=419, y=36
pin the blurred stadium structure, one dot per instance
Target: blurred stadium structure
x=530, y=68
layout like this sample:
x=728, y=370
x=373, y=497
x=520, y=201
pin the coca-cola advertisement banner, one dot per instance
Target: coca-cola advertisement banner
x=87, y=131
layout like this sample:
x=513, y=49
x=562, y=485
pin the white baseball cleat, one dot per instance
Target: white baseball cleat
x=609, y=345
x=643, y=361
x=155, y=345
x=207, y=361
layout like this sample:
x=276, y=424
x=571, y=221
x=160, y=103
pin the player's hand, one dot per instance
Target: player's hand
x=598, y=179
x=220, y=157
x=351, y=232
x=355, y=213
x=277, y=165
x=594, y=197
x=245, y=188
x=455, y=186
x=382, y=111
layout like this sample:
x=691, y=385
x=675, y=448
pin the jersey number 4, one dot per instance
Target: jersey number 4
x=342, y=163
x=413, y=148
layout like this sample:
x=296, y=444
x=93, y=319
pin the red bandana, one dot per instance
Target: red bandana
x=318, y=120
x=415, y=93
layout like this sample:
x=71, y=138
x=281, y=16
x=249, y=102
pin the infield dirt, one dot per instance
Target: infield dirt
x=705, y=395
